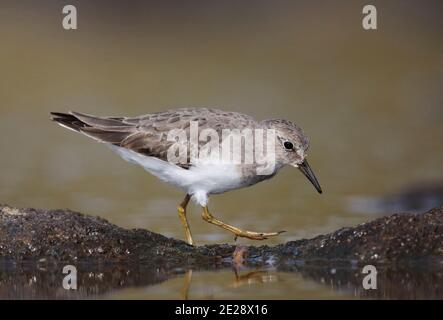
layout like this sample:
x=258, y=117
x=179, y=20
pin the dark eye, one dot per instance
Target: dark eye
x=288, y=145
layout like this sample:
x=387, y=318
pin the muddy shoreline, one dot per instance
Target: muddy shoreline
x=66, y=236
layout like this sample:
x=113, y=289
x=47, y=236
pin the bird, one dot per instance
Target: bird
x=145, y=140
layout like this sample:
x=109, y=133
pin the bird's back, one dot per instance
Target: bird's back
x=147, y=134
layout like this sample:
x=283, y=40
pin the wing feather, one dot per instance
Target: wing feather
x=147, y=134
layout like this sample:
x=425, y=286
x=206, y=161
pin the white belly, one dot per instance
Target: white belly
x=199, y=181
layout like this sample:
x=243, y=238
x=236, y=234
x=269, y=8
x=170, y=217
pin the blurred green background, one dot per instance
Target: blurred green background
x=370, y=101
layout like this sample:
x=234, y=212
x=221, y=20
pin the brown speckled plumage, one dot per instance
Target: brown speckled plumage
x=147, y=134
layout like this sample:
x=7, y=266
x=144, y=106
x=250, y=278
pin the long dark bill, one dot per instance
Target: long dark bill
x=307, y=171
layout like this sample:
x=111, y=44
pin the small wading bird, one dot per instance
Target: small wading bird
x=143, y=140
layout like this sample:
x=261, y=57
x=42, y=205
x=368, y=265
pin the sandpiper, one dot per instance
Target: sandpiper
x=143, y=140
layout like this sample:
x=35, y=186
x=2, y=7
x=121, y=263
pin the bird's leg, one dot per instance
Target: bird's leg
x=182, y=215
x=207, y=216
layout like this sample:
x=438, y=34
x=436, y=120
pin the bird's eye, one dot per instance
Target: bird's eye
x=288, y=145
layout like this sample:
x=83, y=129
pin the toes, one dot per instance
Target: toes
x=258, y=235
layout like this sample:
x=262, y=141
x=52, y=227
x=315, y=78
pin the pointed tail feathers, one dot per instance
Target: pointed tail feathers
x=108, y=130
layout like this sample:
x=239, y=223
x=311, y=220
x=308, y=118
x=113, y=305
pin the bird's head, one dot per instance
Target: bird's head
x=291, y=147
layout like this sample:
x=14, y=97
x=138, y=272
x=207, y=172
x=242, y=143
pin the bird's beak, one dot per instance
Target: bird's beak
x=307, y=171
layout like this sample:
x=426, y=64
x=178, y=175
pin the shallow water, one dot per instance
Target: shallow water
x=31, y=281
x=371, y=103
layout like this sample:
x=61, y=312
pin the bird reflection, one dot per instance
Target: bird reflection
x=253, y=277
x=241, y=278
x=184, y=293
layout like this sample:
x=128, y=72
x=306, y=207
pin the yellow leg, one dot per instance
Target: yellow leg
x=237, y=231
x=182, y=215
x=186, y=284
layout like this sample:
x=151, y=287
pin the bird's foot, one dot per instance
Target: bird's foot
x=256, y=235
